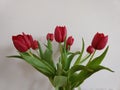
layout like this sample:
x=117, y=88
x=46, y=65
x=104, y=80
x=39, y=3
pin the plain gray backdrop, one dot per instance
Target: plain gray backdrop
x=83, y=18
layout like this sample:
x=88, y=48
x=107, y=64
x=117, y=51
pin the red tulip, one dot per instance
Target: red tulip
x=60, y=33
x=21, y=42
x=99, y=41
x=50, y=36
x=69, y=42
x=90, y=49
x=24, y=42
x=35, y=45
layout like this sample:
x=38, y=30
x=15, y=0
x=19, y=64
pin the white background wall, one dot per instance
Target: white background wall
x=83, y=18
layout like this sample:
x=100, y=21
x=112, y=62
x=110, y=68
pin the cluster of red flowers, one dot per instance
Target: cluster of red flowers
x=23, y=42
x=60, y=36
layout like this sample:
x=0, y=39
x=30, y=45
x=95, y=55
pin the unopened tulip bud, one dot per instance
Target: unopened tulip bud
x=90, y=49
x=50, y=36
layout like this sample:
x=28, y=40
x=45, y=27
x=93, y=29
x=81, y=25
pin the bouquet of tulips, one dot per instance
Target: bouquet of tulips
x=72, y=68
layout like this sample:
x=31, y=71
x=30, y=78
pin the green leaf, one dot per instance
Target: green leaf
x=84, y=74
x=63, y=56
x=95, y=62
x=59, y=69
x=85, y=58
x=48, y=54
x=48, y=57
x=40, y=65
x=60, y=81
x=74, y=76
x=40, y=50
x=25, y=55
x=69, y=60
x=102, y=67
x=94, y=65
x=79, y=58
x=78, y=68
x=49, y=44
x=80, y=78
x=43, y=71
x=15, y=56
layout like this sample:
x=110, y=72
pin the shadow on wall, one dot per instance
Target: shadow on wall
x=16, y=74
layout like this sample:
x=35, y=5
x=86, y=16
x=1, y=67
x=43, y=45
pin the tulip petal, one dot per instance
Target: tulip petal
x=30, y=39
x=28, y=43
x=63, y=33
x=35, y=44
x=58, y=36
x=102, y=43
x=95, y=40
x=60, y=33
x=20, y=46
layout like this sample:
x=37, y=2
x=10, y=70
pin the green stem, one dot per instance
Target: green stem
x=77, y=62
x=91, y=57
x=60, y=48
x=63, y=88
x=85, y=58
x=63, y=56
x=30, y=53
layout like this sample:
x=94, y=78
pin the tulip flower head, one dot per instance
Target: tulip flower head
x=50, y=37
x=99, y=41
x=69, y=42
x=60, y=33
x=35, y=45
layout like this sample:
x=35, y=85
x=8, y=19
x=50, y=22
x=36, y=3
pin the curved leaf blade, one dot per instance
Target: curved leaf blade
x=97, y=61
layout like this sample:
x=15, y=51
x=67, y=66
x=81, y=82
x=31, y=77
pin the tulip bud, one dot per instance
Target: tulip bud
x=69, y=42
x=99, y=41
x=60, y=33
x=50, y=36
x=35, y=45
x=90, y=49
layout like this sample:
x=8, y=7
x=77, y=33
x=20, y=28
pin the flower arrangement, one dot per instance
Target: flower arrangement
x=65, y=74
